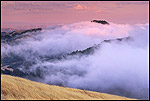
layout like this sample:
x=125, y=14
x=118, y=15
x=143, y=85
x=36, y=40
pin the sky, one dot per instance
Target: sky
x=43, y=13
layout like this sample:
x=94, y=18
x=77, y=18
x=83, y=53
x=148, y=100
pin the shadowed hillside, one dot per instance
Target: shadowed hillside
x=21, y=89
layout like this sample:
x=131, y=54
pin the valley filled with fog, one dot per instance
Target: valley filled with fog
x=86, y=55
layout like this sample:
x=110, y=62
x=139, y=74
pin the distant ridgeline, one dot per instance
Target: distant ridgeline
x=100, y=21
x=12, y=36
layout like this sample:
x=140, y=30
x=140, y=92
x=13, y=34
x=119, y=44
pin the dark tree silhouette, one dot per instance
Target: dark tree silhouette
x=100, y=21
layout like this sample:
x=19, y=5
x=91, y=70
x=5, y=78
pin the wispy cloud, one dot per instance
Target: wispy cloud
x=78, y=6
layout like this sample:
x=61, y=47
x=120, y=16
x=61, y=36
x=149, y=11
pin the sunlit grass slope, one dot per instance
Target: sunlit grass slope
x=18, y=88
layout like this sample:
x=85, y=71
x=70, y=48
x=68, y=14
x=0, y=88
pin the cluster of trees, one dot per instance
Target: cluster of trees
x=100, y=21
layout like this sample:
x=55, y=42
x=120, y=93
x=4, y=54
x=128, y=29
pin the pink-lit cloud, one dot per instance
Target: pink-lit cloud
x=80, y=7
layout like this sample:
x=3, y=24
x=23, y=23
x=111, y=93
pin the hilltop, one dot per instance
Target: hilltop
x=18, y=34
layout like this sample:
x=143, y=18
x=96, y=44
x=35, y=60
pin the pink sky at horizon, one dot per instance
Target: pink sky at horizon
x=37, y=13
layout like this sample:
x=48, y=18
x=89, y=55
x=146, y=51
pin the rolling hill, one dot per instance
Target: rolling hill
x=16, y=88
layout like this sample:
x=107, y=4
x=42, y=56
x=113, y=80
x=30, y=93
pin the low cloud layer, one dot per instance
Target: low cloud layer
x=117, y=67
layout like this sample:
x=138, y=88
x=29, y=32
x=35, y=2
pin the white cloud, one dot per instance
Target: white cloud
x=122, y=65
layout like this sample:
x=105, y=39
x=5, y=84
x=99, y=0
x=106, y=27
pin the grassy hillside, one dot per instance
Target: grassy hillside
x=18, y=89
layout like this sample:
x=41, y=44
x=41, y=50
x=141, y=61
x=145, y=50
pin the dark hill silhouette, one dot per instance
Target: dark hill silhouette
x=12, y=36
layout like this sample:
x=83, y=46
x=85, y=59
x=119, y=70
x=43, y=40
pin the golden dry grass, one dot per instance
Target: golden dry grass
x=15, y=88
